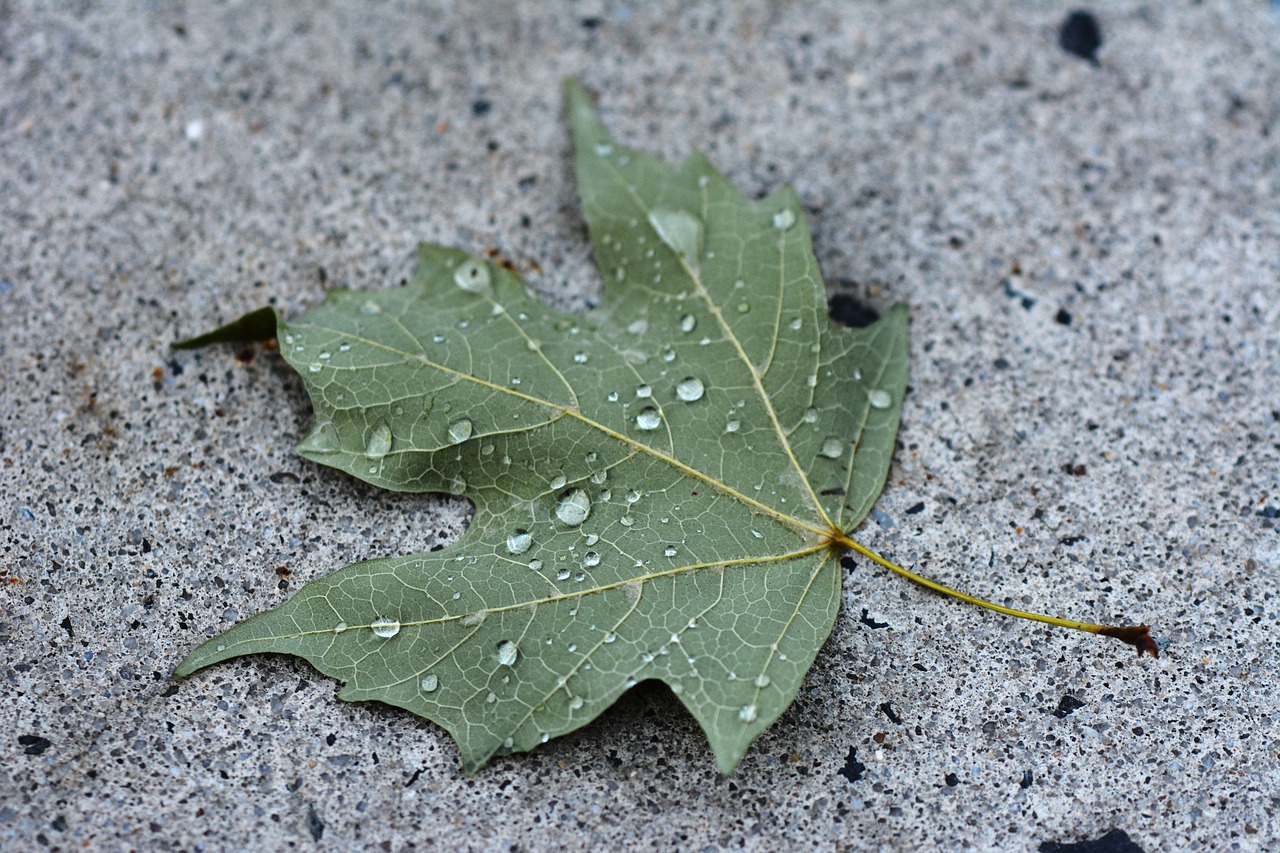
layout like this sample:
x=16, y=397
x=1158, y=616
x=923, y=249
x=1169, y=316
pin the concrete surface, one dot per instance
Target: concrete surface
x=1092, y=256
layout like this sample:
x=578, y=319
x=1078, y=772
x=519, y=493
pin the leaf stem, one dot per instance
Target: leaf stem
x=1135, y=635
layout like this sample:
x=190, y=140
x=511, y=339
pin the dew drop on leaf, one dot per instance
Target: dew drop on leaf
x=340, y=627
x=460, y=431
x=784, y=219
x=385, y=628
x=832, y=448
x=669, y=551
x=507, y=653
x=648, y=419
x=591, y=558
x=688, y=323
x=680, y=230
x=519, y=541
x=747, y=714
x=379, y=443
x=879, y=398
x=763, y=681
x=690, y=389
x=573, y=508
x=430, y=683
x=733, y=426
x=576, y=702
x=644, y=392
x=472, y=276
x=371, y=308
x=558, y=481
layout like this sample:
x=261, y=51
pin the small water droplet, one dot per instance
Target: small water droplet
x=379, y=443
x=810, y=415
x=638, y=327
x=832, y=448
x=491, y=698
x=385, y=628
x=733, y=426
x=314, y=367
x=599, y=477
x=648, y=419
x=591, y=558
x=573, y=508
x=579, y=577
x=580, y=358
x=669, y=551
x=644, y=392
x=576, y=702
x=340, y=627
x=626, y=521
x=784, y=219
x=457, y=485
x=535, y=564
x=507, y=653
x=519, y=541
x=748, y=714
x=591, y=457
x=744, y=307
x=763, y=681
x=690, y=389
x=592, y=538
x=879, y=398
x=757, y=533
x=619, y=273
x=460, y=431
x=562, y=575
x=544, y=737
x=613, y=397
x=472, y=276
x=811, y=380
x=610, y=637
x=796, y=324
x=371, y=308
x=603, y=149
x=430, y=683
x=558, y=481
x=688, y=323
x=344, y=347
x=605, y=496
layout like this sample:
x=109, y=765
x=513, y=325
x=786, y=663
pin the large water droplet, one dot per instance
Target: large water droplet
x=688, y=323
x=784, y=219
x=733, y=426
x=472, y=276
x=669, y=551
x=879, y=398
x=690, y=389
x=599, y=477
x=573, y=508
x=430, y=683
x=644, y=392
x=832, y=448
x=558, y=481
x=810, y=415
x=576, y=702
x=680, y=230
x=591, y=558
x=519, y=541
x=763, y=681
x=748, y=714
x=648, y=418
x=323, y=438
x=460, y=431
x=379, y=443
x=385, y=628
x=507, y=653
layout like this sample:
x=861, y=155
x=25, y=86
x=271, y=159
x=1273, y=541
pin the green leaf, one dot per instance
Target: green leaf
x=662, y=486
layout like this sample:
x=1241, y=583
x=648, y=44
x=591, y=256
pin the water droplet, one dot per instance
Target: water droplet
x=879, y=398
x=535, y=564
x=579, y=577
x=626, y=521
x=757, y=533
x=460, y=431
x=592, y=538
x=811, y=380
x=599, y=477
x=562, y=575
x=558, y=481
x=619, y=273
x=340, y=627
x=323, y=438
x=371, y=308
x=491, y=698
x=544, y=737
x=688, y=323
x=748, y=714
x=733, y=426
x=638, y=327
x=457, y=485
x=796, y=324
x=507, y=653
x=591, y=457
x=379, y=443
x=648, y=418
x=669, y=551
x=580, y=358
x=314, y=367
x=591, y=558
x=472, y=276
x=644, y=392
x=744, y=307
x=385, y=628
x=610, y=637
x=810, y=415
x=603, y=149
x=668, y=354
x=613, y=397
x=344, y=347
x=430, y=683
x=783, y=220
x=605, y=496
x=832, y=448
x=763, y=681
x=519, y=541
x=576, y=702
x=690, y=389
x=574, y=507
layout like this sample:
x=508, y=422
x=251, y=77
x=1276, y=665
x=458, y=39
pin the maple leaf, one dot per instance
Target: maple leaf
x=662, y=486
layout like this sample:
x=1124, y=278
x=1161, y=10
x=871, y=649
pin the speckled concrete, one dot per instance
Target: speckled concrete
x=1092, y=257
